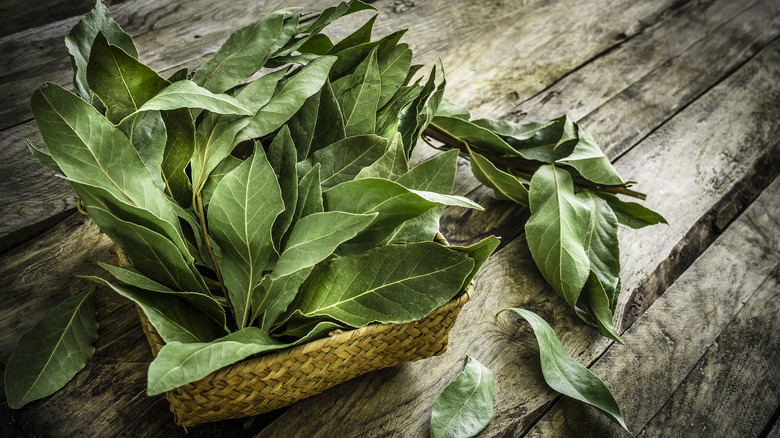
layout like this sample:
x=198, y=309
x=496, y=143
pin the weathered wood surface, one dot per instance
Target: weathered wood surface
x=683, y=94
x=709, y=334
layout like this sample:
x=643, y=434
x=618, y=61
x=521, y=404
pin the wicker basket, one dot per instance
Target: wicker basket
x=262, y=384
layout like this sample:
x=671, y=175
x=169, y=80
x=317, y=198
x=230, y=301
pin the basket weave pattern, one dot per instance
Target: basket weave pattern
x=258, y=385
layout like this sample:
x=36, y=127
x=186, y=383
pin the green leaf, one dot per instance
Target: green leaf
x=187, y=94
x=601, y=242
x=79, y=43
x=244, y=53
x=598, y=304
x=567, y=376
x=413, y=119
x=121, y=82
x=449, y=109
x=289, y=99
x=475, y=136
x=49, y=355
x=216, y=134
x=358, y=95
x=93, y=152
x=205, y=303
x=630, y=213
x=393, y=68
x=546, y=142
x=178, y=364
x=43, y=156
x=348, y=59
x=387, y=118
x=179, y=75
x=147, y=133
x=504, y=185
x=317, y=45
x=318, y=123
x=391, y=165
x=240, y=217
x=228, y=164
x=179, y=147
x=466, y=405
x=360, y=36
x=590, y=161
x=556, y=232
x=173, y=319
x=276, y=295
x=479, y=252
x=282, y=155
x=389, y=284
x=316, y=236
x=309, y=197
x=343, y=160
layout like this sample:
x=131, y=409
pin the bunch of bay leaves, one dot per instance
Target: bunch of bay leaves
x=263, y=201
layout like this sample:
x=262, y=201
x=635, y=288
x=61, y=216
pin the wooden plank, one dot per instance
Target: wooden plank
x=652, y=75
x=19, y=15
x=684, y=169
x=691, y=366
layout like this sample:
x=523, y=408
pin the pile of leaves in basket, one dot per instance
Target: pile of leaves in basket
x=265, y=200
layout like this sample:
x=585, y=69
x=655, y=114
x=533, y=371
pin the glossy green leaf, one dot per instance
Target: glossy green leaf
x=179, y=147
x=556, y=232
x=504, y=185
x=43, y=156
x=275, y=296
x=289, y=98
x=282, y=156
x=205, y=303
x=350, y=58
x=171, y=317
x=358, y=96
x=187, y=94
x=387, y=118
x=590, y=161
x=316, y=236
x=630, y=213
x=599, y=306
x=245, y=52
x=449, y=109
x=121, y=82
x=389, y=284
x=79, y=43
x=477, y=137
x=240, y=216
x=479, y=252
x=309, y=195
x=147, y=133
x=178, y=364
x=545, y=142
x=360, y=36
x=393, y=68
x=567, y=376
x=466, y=405
x=601, y=242
x=391, y=165
x=49, y=355
x=343, y=160
x=92, y=151
x=318, y=123
x=317, y=45
x=412, y=120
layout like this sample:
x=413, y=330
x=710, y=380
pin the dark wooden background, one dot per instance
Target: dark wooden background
x=684, y=96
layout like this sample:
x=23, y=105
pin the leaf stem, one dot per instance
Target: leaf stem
x=524, y=167
x=202, y=218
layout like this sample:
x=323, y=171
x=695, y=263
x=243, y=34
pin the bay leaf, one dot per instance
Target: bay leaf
x=590, y=161
x=393, y=69
x=361, y=35
x=465, y=406
x=282, y=157
x=449, y=109
x=479, y=252
x=343, y=160
x=601, y=242
x=318, y=123
x=567, y=376
x=178, y=363
x=79, y=44
x=289, y=98
x=412, y=118
x=309, y=197
x=147, y=133
x=173, y=320
x=556, y=232
x=179, y=147
x=240, y=216
x=245, y=52
x=391, y=165
x=276, y=295
x=631, y=214
x=121, y=82
x=389, y=284
x=42, y=155
x=546, y=142
x=358, y=96
x=475, y=136
x=48, y=356
x=187, y=94
x=599, y=306
x=505, y=186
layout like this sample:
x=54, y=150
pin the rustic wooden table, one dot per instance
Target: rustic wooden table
x=683, y=95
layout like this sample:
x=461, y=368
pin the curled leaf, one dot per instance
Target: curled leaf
x=466, y=405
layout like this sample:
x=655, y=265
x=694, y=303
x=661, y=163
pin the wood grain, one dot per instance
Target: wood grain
x=684, y=360
x=685, y=167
